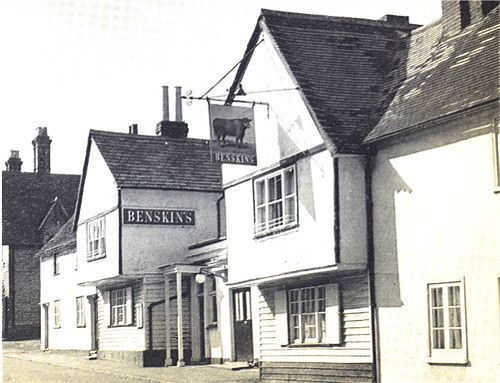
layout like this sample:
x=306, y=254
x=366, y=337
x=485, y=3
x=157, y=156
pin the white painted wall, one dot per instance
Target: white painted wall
x=309, y=245
x=289, y=128
x=436, y=219
x=100, y=195
x=63, y=287
x=145, y=247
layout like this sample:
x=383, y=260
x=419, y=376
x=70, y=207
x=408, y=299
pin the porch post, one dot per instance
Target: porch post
x=180, y=340
x=168, y=356
x=195, y=322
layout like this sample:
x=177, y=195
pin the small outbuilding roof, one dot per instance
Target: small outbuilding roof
x=63, y=242
x=158, y=162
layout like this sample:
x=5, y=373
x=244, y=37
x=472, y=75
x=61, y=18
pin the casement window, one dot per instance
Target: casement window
x=96, y=243
x=56, y=264
x=496, y=153
x=275, y=200
x=80, y=312
x=118, y=306
x=308, y=315
x=212, y=295
x=57, y=314
x=447, y=326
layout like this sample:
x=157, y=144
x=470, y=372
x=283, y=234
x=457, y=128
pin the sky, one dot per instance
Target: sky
x=75, y=65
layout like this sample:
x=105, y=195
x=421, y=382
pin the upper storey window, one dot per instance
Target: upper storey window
x=275, y=201
x=96, y=243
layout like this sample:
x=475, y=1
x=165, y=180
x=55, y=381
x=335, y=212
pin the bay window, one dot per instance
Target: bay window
x=275, y=200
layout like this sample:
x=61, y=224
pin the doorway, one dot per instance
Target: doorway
x=242, y=316
x=45, y=308
x=94, y=324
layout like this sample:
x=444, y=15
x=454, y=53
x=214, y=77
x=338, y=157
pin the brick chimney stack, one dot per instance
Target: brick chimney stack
x=41, y=151
x=172, y=129
x=14, y=163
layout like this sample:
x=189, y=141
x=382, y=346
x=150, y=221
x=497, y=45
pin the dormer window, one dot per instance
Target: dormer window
x=275, y=201
x=488, y=6
x=96, y=243
x=464, y=13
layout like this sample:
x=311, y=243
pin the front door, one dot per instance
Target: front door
x=94, y=324
x=242, y=315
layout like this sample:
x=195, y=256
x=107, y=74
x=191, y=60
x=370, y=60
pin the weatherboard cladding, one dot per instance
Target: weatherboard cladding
x=26, y=199
x=340, y=65
x=157, y=162
x=437, y=76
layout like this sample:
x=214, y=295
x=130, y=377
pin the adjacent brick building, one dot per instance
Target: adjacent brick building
x=34, y=207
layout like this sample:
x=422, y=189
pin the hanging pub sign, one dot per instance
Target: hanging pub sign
x=232, y=134
x=140, y=216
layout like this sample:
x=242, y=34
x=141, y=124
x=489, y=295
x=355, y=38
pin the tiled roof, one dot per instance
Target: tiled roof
x=339, y=64
x=138, y=161
x=26, y=199
x=63, y=242
x=438, y=76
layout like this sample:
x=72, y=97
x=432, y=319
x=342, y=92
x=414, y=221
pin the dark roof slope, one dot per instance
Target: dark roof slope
x=437, y=76
x=63, y=242
x=339, y=64
x=138, y=161
x=26, y=199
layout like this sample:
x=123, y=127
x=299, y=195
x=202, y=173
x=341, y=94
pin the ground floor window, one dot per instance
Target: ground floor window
x=57, y=314
x=308, y=315
x=80, y=312
x=447, y=321
x=118, y=307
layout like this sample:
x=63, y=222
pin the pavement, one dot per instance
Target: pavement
x=24, y=362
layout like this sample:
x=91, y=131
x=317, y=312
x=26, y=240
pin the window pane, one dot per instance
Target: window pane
x=437, y=297
x=438, y=338
x=260, y=191
x=454, y=314
x=290, y=210
x=289, y=182
x=437, y=318
x=454, y=296
x=271, y=189
x=455, y=339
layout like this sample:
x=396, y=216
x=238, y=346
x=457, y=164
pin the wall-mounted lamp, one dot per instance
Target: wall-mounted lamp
x=201, y=277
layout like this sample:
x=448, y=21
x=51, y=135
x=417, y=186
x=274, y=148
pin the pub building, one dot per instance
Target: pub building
x=119, y=279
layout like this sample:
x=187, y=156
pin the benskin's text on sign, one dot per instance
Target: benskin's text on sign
x=158, y=217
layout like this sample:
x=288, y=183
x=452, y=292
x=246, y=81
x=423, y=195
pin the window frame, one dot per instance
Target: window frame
x=212, y=296
x=318, y=315
x=57, y=313
x=117, y=307
x=80, y=312
x=447, y=354
x=267, y=226
x=96, y=241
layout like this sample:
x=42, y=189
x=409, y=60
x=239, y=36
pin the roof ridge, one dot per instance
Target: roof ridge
x=146, y=136
x=332, y=18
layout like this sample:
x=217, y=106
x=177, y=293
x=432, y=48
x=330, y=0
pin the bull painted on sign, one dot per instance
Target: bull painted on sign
x=235, y=127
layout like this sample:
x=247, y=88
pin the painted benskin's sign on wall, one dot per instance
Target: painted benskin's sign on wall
x=140, y=216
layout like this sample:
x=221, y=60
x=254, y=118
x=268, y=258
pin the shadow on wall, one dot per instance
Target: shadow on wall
x=386, y=244
x=287, y=148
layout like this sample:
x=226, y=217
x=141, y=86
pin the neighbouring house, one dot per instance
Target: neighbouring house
x=365, y=242
x=34, y=207
x=140, y=274
x=436, y=202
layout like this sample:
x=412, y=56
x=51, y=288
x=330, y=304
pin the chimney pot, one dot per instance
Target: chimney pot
x=166, y=115
x=178, y=104
x=14, y=163
x=41, y=151
x=133, y=129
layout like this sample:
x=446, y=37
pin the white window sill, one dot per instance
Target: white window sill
x=448, y=360
x=276, y=231
x=496, y=189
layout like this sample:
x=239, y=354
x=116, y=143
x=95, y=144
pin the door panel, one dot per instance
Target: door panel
x=242, y=315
